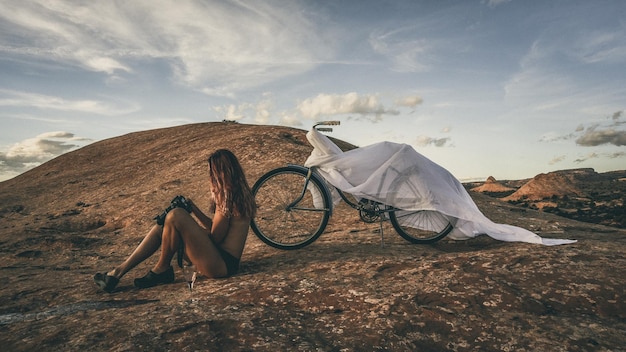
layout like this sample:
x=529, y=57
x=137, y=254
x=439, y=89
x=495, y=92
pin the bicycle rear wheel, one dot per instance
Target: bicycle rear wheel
x=415, y=226
x=422, y=226
x=284, y=222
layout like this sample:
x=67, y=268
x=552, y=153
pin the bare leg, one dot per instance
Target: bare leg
x=146, y=248
x=198, y=246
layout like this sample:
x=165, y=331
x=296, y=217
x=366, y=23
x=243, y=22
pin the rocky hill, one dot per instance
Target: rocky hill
x=85, y=211
x=580, y=194
x=546, y=186
x=493, y=187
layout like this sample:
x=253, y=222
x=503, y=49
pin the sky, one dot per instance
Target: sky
x=502, y=88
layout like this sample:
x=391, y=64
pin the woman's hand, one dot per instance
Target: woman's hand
x=193, y=208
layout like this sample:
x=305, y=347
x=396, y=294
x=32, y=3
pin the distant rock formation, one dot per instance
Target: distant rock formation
x=543, y=186
x=492, y=186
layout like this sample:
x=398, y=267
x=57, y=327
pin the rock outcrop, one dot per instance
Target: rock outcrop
x=545, y=186
x=491, y=185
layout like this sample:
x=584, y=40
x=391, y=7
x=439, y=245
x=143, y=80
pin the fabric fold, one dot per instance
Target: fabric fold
x=397, y=175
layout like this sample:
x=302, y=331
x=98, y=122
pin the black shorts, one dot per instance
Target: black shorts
x=232, y=262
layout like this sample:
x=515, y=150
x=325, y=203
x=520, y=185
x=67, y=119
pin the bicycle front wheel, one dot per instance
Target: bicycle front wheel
x=421, y=226
x=293, y=210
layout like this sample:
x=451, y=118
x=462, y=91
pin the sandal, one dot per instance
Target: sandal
x=152, y=279
x=106, y=282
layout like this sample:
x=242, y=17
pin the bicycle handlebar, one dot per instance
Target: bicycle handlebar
x=326, y=123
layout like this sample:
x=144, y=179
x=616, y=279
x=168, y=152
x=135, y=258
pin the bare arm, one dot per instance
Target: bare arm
x=220, y=227
x=204, y=220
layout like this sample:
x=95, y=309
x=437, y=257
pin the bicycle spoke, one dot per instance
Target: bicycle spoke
x=287, y=216
x=423, y=226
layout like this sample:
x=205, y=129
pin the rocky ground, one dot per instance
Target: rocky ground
x=85, y=211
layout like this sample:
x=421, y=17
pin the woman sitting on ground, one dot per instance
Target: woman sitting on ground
x=214, y=245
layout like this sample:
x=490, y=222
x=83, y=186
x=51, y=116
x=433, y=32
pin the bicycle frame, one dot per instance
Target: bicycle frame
x=310, y=174
x=366, y=213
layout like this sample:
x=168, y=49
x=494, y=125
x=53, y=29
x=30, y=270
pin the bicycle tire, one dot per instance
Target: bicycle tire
x=427, y=226
x=416, y=226
x=290, y=228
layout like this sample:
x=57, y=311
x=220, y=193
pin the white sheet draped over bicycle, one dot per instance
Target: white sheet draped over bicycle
x=397, y=175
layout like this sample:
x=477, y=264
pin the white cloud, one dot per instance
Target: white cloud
x=406, y=54
x=424, y=141
x=368, y=106
x=288, y=119
x=263, y=111
x=557, y=159
x=494, y=3
x=423, y=43
x=339, y=104
x=601, y=46
x=42, y=147
x=541, y=85
x=570, y=62
x=12, y=98
x=551, y=137
x=595, y=136
x=213, y=46
x=260, y=112
x=586, y=157
x=594, y=155
x=231, y=112
x=607, y=133
x=31, y=152
x=106, y=64
x=409, y=101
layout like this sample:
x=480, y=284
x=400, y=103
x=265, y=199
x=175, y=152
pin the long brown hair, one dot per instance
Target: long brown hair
x=229, y=187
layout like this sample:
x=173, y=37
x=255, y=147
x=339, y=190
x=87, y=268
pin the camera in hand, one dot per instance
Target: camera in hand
x=176, y=202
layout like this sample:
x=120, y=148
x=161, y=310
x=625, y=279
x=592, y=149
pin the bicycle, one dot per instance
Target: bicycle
x=295, y=204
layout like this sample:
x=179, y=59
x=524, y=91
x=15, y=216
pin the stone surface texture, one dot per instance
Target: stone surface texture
x=85, y=211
